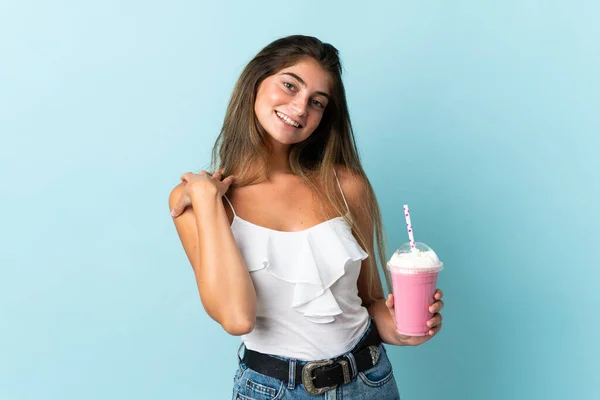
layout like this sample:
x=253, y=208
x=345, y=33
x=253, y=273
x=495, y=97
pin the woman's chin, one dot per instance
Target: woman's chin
x=285, y=139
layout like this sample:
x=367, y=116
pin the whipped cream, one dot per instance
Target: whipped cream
x=407, y=261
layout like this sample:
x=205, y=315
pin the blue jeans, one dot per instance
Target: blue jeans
x=375, y=383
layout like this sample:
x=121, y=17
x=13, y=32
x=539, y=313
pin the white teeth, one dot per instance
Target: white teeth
x=287, y=120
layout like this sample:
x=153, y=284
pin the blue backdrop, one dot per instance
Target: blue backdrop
x=482, y=116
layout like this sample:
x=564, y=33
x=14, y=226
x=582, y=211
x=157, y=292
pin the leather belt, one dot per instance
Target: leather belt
x=319, y=376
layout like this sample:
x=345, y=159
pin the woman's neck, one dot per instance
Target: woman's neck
x=279, y=162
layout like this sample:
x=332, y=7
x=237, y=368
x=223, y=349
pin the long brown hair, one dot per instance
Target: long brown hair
x=243, y=142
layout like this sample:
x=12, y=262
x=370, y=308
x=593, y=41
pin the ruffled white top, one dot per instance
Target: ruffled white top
x=306, y=288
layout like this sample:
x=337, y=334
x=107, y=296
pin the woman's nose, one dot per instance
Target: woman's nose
x=299, y=106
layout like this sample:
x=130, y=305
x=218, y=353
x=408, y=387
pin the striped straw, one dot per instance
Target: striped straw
x=409, y=228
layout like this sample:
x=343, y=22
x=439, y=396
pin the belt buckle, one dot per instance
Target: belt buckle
x=307, y=378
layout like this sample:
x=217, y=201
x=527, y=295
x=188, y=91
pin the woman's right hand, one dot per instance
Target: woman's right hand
x=200, y=182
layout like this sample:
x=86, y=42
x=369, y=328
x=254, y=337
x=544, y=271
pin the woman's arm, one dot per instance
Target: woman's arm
x=223, y=280
x=380, y=309
x=355, y=190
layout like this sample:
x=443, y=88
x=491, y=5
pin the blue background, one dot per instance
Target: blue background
x=482, y=116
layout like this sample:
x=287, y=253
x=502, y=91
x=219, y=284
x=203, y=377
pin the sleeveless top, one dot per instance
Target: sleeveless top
x=308, y=306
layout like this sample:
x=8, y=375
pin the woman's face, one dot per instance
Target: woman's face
x=289, y=104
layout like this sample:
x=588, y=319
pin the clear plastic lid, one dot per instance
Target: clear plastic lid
x=421, y=259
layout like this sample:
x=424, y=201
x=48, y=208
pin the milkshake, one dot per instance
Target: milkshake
x=414, y=269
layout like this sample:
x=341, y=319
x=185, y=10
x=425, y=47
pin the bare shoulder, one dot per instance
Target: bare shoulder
x=354, y=186
x=176, y=194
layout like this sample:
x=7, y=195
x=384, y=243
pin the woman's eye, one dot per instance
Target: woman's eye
x=288, y=85
x=318, y=104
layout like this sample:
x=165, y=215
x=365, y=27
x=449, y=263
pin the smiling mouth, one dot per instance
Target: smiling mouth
x=287, y=120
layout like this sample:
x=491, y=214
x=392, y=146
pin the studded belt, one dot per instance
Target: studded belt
x=320, y=376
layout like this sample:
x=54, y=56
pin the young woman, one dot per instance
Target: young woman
x=281, y=237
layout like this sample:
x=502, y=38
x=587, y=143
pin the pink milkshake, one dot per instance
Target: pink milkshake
x=414, y=269
x=414, y=274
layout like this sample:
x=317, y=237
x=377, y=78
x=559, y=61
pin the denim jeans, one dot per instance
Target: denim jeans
x=375, y=383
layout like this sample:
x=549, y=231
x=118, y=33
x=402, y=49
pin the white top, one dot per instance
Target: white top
x=308, y=306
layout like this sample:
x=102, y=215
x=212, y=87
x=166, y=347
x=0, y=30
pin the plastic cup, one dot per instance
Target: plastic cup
x=414, y=278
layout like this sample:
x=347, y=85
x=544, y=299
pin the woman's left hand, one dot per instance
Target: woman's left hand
x=435, y=323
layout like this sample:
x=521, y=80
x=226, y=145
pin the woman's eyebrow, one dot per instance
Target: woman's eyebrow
x=293, y=75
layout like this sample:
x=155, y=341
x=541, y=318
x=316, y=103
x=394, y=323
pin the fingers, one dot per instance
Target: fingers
x=439, y=304
x=186, y=177
x=436, y=307
x=436, y=320
x=389, y=302
x=229, y=180
x=218, y=175
x=435, y=330
x=177, y=209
